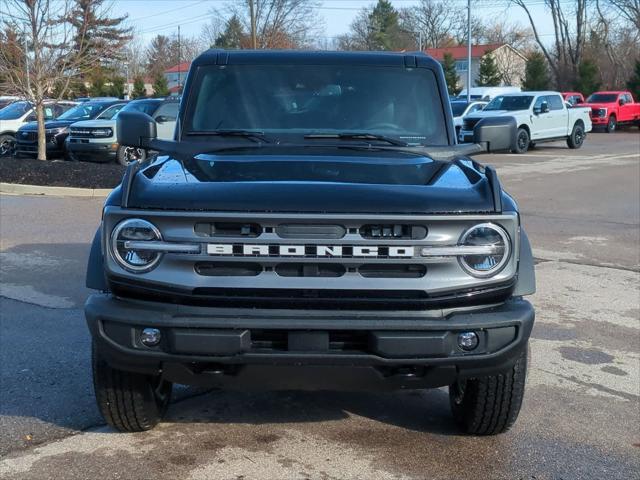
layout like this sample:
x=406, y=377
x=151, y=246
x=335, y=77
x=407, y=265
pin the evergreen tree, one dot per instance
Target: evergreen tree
x=138, y=88
x=232, y=36
x=98, y=82
x=488, y=76
x=450, y=74
x=116, y=87
x=634, y=82
x=384, y=28
x=160, y=87
x=587, y=81
x=536, y=75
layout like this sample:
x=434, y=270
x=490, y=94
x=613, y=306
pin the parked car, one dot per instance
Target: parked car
x=291, y=237
x=95, y=140
x=541, y=117
x=95, y=99
x=573, y=98
x=8, y=100
x=487, y=93
x=17, y=114
x=610, y=109
x=460, y=108
x=57, y=130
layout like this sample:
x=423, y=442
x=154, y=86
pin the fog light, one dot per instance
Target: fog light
x=150, y=337
x=468, y=340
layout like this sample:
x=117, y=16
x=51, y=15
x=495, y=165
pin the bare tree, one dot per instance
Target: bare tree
x=279, y=23
x=630, y=9
x=61, y=49
x=212, y=30
x=570, y=27
x=502, y=31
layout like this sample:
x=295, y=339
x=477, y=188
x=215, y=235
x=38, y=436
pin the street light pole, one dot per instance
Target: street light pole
x=468, y=51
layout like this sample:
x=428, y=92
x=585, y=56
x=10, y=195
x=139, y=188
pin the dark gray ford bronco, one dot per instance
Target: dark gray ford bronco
x=313, y=225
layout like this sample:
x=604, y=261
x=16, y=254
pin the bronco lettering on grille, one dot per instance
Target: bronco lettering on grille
x=272, y=250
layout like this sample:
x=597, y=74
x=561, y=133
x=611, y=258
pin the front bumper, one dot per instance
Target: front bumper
x=275, y=349
x=54, y=145
x=83, y=150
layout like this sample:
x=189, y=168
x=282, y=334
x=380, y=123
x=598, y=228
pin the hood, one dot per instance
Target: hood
x=493, y=113
x=48, y=124
x=312, y=180
x=95, y=123
x=598, y=105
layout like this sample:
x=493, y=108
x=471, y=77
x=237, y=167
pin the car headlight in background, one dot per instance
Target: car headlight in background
x=56, y=131
x=127, y=238
x=489, y=250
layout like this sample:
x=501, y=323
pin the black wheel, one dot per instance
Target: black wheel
x=612, y=123
x=489, y=405
x=576, y=139
x=129, y=402
x=522, y=141
x=7, y=145
x=128, y=155
x=532, y=145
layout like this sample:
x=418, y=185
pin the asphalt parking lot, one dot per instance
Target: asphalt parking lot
x=580, y=418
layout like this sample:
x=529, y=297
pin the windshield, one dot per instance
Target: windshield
x=458, y=108
x=510, y=103
x=402, y=103
x=84, y=111
x=144, y=106
x=602, y=98
x=15, y=110
x=110, y=112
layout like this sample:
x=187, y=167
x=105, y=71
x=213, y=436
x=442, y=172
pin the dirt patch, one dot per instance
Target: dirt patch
x=60, y=173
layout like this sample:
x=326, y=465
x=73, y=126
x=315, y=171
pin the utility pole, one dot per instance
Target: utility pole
x=252, y=13
x=179, y=65
x=468, y=51
x=420, y=40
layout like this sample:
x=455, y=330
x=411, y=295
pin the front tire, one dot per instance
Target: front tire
x=522, y=141
x=489, y=405
x=7, y=145
x=576, y=139
x=129, y=402
x=127, y=155
x=612, y=123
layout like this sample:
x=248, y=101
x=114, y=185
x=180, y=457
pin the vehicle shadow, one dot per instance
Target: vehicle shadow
x=416, y=410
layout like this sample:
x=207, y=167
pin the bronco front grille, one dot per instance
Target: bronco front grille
x=299, y=260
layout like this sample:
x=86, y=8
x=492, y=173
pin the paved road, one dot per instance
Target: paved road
x=580, y=416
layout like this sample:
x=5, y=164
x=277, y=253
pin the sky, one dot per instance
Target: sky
x=153, y=17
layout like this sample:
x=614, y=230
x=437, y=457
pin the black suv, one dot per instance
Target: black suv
x=313, y=225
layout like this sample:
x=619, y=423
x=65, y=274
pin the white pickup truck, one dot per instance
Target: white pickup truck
x=541, y=117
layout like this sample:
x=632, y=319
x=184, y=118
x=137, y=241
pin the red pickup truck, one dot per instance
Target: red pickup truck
x=610, y=109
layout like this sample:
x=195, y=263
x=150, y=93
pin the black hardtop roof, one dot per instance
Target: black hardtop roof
x=312, y=57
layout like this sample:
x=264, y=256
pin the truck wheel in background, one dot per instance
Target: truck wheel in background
x=489, y=405
x=7, y=144
x=576, y=139
x=612, y=123
x=522, y=141
x=129, y=402
x=128, y=155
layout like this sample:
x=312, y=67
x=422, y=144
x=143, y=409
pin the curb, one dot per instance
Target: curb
x=19, y=189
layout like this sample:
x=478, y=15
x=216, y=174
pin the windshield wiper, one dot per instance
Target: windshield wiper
x=255, y=135
x=358, y=136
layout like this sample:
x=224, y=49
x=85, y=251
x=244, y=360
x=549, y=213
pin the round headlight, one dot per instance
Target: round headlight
x=489, y=248
x=131, y=231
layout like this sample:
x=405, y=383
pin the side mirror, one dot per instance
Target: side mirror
x=544, y=108
x=621, y=102
x=496, y=133
x=135, y=129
